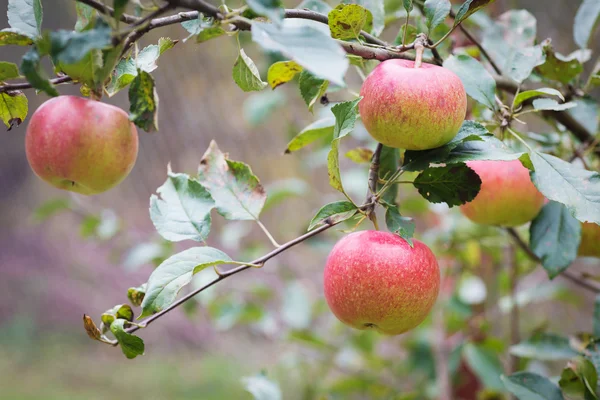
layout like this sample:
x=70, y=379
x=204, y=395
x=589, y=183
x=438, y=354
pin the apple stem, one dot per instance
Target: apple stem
x=420, y=49
x=419, y=57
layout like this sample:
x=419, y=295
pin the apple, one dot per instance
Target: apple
x=507, y=196
x=375, y=280
x=590, y=240
x=412, y=108
x=81, y=145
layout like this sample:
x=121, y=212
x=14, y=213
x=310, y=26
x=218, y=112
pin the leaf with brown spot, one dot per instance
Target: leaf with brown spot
x=282, y=72
x=237, y=192
x=13, y=108
x=347, y=20
x=143, y=100
x=90, y=327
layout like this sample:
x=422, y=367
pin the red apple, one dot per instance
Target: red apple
x=81, y=145
x=507, y=196
x=412, y=108
x=375, y=280
x=590, y=240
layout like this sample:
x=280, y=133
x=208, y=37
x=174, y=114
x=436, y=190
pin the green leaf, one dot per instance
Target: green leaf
x=25, y=17
x=408, y=5
x=596, y=321
x=485, y=365
x=389, y=161
x=33, y=71
x=183, y=210
x=246, y=75
x=436, y=12
x=85, y=15
x=579, y=379
x=119, y=6
x=586, y=113
x=262, y=388
x=68, y=47
x=282, y=72
x=555, y=237
x=522, y=61
x=514, y=30
x=318, y=129
x=8, y=71
x=176, y=272
x=131, y=345
x=360, y=155
x=268, y=8
x=136, y=294
x=146, y=59
x=472, y=142
x=124, y=73
x=454, y=184
x=10, y=36
x=305, y=44
x=143, y=102
x=402, y=226
x=558, y=67
x=333, y=212
x=544, y=346
x=13, y=108
x=524, y=96
x=551, y=104
x=126, y=70
x=237, y=192
x=347, y=20
x=50, y=208
x=531, y=386
x=469, y=7
x=585, y=22
x=478, y=83
x=565, y=183
x=345, y=117
x=311, y=88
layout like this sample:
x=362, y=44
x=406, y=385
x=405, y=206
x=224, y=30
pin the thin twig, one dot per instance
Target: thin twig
x=26, y=85
x=225, y=275
x=565, y=274
x=267, y=233
x=104, y=9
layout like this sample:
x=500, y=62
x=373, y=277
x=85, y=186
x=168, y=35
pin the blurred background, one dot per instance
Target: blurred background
x=57, y=264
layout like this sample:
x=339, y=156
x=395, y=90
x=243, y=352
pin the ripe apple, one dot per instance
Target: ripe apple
x=590, y=240
x=375, y=280
x=412, y=108
x=506, y=198
x=81, y=145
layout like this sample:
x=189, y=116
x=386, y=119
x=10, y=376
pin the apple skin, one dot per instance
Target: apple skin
x=375, y=280
x=590, y=240
x=412, y=108
x=81, y=145
x=507, y=196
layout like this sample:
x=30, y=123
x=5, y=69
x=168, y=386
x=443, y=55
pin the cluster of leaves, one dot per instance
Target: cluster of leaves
x=311, y=53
